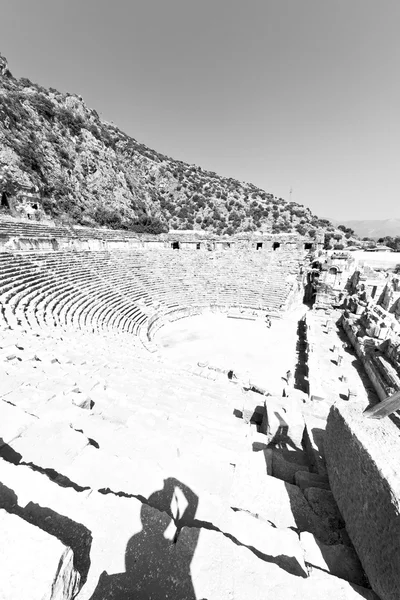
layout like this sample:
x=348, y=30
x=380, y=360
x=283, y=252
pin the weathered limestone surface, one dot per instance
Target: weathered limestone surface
x=286, y=463
x=338, y=559
x=221, y=571
x=13, y=422
x=323, y=504
x=363, y=463
x=158, y=487
x=305, y=480
x=34, y=564
x=313, y=441
x=283, y=421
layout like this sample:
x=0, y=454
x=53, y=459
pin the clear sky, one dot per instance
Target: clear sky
x=280, y=93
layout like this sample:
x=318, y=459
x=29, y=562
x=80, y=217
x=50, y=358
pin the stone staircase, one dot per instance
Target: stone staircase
x=140, y=479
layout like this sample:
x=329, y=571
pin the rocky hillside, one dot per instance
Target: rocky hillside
x=58, y=160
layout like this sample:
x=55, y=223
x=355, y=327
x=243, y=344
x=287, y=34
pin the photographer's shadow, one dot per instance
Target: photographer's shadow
x=154, y=568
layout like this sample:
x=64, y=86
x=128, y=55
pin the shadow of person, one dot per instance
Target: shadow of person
x=156, y=567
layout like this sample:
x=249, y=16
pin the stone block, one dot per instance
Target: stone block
x=286, y=463
x=34, y=564
x=339, y=560
x=278, y=503
x=280, y=546
x=82, y=400
x=363, y=464
x=282, y=423
x=305, y=480
x=251, y=410
x=222, y=570
x=49, y=445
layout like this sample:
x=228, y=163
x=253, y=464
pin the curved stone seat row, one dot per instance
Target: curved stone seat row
x=119, y=290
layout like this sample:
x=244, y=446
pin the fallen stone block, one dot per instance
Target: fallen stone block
x=251, y=410
x=282, y=423
x=364, y=476
x=34, y=564
x=339, y=560
x=286, y=463
x=82, y=400
x=305, y=480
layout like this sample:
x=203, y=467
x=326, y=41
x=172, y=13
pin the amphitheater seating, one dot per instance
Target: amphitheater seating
x=96, y=426
x=140, y=469
x=120, y=289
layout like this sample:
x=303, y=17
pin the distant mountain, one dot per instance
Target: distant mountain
x=58, y=158
x=373, y=228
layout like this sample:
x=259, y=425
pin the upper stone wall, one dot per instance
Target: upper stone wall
x=28, y=235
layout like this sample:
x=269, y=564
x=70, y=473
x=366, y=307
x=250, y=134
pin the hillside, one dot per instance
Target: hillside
x=59, y=161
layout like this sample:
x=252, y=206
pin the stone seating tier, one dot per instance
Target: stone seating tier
x=121, y=289
x=137, y=468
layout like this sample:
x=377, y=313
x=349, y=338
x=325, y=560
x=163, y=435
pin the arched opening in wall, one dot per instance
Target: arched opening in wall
x=259, y=245
x=175, y=245
x=275, y=245
x=373, y=291
x=308, y=246
x=4, y=200
x=333, y=271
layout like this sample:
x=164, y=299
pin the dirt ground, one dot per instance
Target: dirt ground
x=247, y=347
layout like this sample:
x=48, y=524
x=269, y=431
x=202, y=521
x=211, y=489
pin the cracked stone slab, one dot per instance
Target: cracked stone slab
x=14, y=422
x=34, y=564
x=220, y=570
x=280, y=503
x=49, y=445
x=339, y=560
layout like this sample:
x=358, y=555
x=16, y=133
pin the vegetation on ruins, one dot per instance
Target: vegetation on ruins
x=86, y=171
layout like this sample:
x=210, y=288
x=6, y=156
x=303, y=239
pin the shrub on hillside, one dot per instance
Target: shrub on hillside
x=147, y=224
x=43, y=106
x=107, y=217
x=71, y=121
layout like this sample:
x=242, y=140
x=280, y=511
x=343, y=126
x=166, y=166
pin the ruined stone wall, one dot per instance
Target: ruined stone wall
x=379, y=355
x=15, y=233
x=362, y=457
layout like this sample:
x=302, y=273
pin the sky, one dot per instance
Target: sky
x=285, y=94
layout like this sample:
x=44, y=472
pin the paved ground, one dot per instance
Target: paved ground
x=242, y=345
